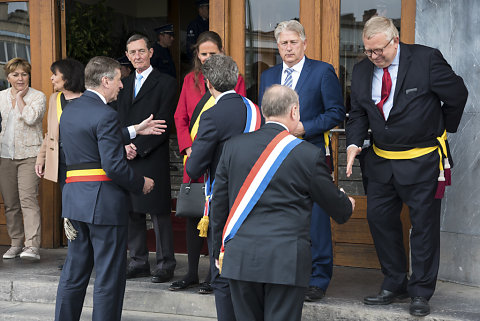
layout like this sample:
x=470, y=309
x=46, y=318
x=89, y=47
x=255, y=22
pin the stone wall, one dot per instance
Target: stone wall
x=452, y=27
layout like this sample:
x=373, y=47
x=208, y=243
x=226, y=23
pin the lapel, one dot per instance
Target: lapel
x=404, y=64
x=149, y=84
x=128, y=87
x=303, y=75
x=277, y=74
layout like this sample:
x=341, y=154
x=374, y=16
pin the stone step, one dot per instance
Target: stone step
x=21, y=311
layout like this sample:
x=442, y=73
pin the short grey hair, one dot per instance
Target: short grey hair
x=221, y=71
x=136, y=37
x=290, y=25
x=278, y=100
x=99, y=67
x=378, y=24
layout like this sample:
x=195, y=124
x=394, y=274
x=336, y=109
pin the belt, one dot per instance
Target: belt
x=85, y=173
x=444, y=177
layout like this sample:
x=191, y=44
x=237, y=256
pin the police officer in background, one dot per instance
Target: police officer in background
x=162, y=59
x=197, y=26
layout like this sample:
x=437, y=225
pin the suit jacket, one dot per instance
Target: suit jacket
x=424, y=81
x=320, y=94
x=217, y=125
x=90, y=133
x=273, y=243
x=156, y=96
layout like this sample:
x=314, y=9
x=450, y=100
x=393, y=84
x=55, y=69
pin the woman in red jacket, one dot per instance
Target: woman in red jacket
x=194, y=99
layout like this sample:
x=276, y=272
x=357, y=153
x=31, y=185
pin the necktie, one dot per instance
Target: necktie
x=289, y=79
x=386, y=88
x=138, y=84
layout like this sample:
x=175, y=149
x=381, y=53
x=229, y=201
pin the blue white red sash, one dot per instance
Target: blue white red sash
x=253, y=123
x=257, y=181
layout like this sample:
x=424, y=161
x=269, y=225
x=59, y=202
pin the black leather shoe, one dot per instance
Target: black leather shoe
x=182, y=284
x=161, y=276
x=385, y=297
x=137, y=272
x=205, y=288
x=419, y=307
x=314, y=293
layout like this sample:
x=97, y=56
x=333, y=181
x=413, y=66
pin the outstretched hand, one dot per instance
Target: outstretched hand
x=150, y=126
x=352, y=152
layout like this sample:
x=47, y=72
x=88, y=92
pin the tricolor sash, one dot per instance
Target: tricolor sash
x=253, y=123
x=59, y=106
x=256, y=182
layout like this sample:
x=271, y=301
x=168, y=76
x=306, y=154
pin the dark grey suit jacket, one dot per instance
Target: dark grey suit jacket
x=273, y=244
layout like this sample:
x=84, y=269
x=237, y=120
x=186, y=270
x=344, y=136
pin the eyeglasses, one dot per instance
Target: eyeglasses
x=378, y=52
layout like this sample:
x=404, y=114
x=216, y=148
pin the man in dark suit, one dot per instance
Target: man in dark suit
x=227, y=118
x=148, y=91
x=321, y=109
x=268, y=260
x=398, y=93
x=95, y=198
x=162, y=58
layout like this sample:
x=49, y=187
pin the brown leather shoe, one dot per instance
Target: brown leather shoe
x=385, y=297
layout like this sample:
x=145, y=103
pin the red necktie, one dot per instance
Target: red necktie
x=386, y=88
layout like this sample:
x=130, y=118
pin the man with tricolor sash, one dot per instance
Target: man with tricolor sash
x=231, y=115
x=266, y=184
x=409, y=96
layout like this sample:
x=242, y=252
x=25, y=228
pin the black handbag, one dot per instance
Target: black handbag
x=191, y=200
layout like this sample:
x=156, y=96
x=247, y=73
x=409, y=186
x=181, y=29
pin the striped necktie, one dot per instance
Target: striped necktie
x=138, y=84
x=289, y=79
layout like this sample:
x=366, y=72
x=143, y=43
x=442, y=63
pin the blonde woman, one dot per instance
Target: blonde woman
x=22, y=109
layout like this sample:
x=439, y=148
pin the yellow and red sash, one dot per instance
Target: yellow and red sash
x=256, y=182
x=86, y=175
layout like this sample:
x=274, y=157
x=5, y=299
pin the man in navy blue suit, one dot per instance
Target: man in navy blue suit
x=321, y=109
x=96, y=197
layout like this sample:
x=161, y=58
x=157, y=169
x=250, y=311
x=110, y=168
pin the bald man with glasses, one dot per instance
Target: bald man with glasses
x=398, y=93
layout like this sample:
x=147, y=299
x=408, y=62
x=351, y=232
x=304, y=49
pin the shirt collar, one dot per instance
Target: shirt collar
x=223, y=94
x=98, y=94
x=276, y=122
x=145, y=73
x=298, y=67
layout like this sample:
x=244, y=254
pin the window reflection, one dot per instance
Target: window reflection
x=260, y=46
x=14, y=35
x=354, y=14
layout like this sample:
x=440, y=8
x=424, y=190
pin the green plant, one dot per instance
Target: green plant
x=88, y=31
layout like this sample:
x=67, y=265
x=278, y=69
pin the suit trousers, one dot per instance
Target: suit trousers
x=266, y=302
x=221, y=288
x=384, y=204
x=137, y=241
x=19, y=188
x=102, y=247
x=322, y=252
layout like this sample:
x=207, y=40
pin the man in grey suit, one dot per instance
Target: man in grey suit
x=268, y=261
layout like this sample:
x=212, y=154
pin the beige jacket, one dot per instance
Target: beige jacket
x=48, y=154
x=28, y=125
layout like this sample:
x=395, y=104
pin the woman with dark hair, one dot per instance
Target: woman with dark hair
x=22, y=109
x=194, y=99
x=69, y=83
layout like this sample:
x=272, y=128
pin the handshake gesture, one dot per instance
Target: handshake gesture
x=148, y=185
